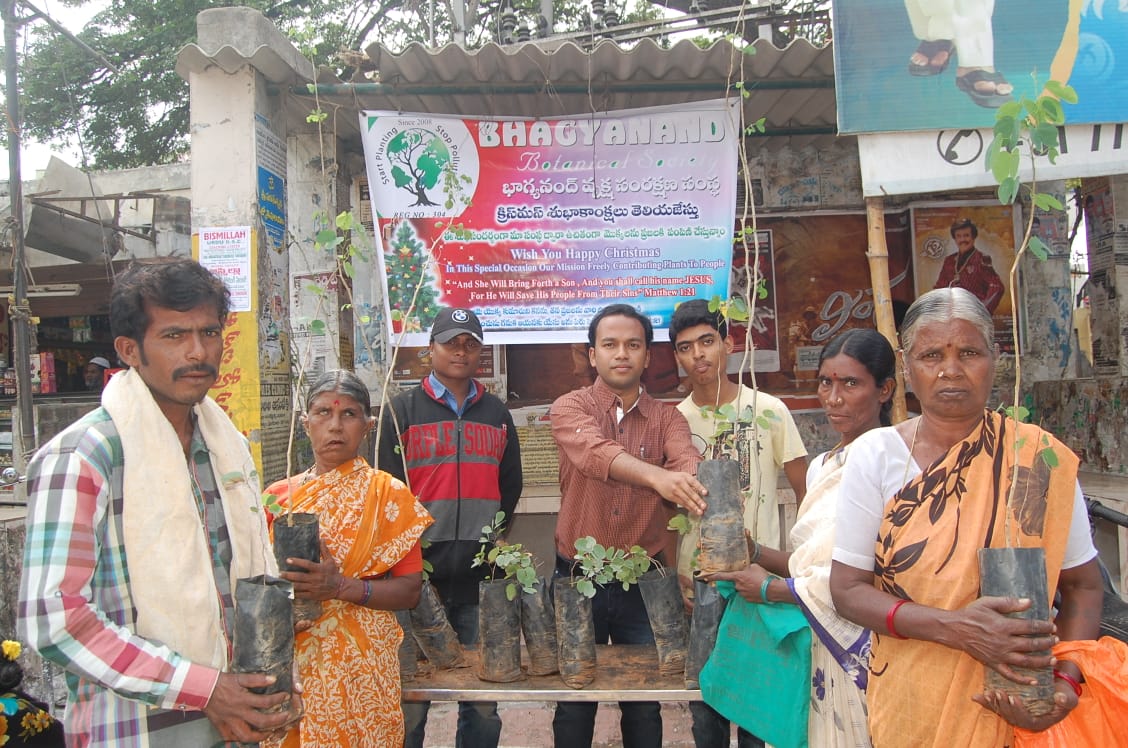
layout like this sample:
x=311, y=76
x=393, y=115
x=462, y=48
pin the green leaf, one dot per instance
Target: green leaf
x=511, y=592
x=737, y=309
x=585, y=588
x=1010, y=110
x=527, y=576
x=1006, y=130
x=1045, y=201
x=317, y=327
x=726, y=412
x=1049, y=457
x=1037, y=248
x=1044, y=137
x=1052, y=111
x=1064, y=92
x=1018, y=413
x=679, y=523
x=1008, y=190
x=1005, y=164
x=345, y=220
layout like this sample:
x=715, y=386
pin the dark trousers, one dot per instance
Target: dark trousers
x=711, y=730
x=620, y=617
x=479, y=725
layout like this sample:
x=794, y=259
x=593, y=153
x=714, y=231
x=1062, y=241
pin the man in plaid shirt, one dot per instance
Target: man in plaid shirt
x=84, y=603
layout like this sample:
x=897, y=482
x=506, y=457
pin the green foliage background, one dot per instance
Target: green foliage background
x=140, y=116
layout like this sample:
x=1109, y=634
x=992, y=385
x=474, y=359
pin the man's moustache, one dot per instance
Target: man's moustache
x=197, y=369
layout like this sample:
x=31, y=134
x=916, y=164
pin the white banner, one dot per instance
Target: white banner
x=538, y=224
x=914, y=162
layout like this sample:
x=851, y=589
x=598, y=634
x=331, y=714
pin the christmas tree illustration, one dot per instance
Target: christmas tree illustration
x=406, y=264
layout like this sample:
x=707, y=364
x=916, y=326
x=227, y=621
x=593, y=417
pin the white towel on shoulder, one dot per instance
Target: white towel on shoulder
x=166, y=545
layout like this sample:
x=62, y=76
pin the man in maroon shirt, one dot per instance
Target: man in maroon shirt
x=625, y=461
x=969, y=268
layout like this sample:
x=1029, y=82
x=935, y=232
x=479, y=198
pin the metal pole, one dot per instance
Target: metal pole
x=20, y=312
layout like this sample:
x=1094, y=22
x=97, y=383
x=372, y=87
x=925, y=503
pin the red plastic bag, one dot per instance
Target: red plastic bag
x=1101, y=714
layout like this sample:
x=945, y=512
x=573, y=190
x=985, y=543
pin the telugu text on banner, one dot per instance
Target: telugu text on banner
x=538, y=224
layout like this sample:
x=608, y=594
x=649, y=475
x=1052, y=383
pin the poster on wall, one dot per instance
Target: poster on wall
x=1106, y=243
x=538, y=224
x=309, y=294
x=226, y=252
x=971, y=247
x=753, y=277
x=920, y=65
x=270, y=151
x=812, y=305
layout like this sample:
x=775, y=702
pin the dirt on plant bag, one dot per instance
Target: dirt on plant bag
x=263, y=640
x=575, y=634
x=433, y=633
x=722, y=546
x=662, y=597
x=538, y=625
x=708, y=607
x=1020, y=572
x=499, y=633
x=298, y=535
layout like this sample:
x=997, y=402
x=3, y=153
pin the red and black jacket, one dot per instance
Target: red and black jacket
x=462, y=469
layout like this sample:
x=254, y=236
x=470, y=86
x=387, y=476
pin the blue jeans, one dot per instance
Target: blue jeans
x=619, y=617
x=711, y=730
x=479, y=725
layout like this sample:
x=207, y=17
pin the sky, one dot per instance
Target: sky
x=34, y=155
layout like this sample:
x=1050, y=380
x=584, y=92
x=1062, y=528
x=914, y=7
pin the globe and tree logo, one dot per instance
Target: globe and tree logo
x=418, y=158
x=420, y=167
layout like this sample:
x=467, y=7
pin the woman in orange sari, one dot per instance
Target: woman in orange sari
x=371, y=564
x=933, y=490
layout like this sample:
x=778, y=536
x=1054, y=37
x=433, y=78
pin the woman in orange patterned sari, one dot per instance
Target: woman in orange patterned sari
x=371, y=564
x=934, y=490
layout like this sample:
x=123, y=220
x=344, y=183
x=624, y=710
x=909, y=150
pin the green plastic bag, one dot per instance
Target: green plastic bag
x=759, y=675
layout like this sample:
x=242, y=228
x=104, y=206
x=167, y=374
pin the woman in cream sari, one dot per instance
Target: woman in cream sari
x=371, y=564
x=855, y=384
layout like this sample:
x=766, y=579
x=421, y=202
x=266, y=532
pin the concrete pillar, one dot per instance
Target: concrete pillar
x=238, y=178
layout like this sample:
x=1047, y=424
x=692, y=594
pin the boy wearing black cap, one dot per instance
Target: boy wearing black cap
x=456, y=447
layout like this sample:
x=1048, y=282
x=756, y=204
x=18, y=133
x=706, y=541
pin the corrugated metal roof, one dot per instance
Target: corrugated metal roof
x=791, y=88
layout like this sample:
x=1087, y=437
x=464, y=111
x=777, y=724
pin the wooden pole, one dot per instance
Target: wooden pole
x=878, y=256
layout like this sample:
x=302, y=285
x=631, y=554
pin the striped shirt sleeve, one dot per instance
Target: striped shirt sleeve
x=74, y=603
